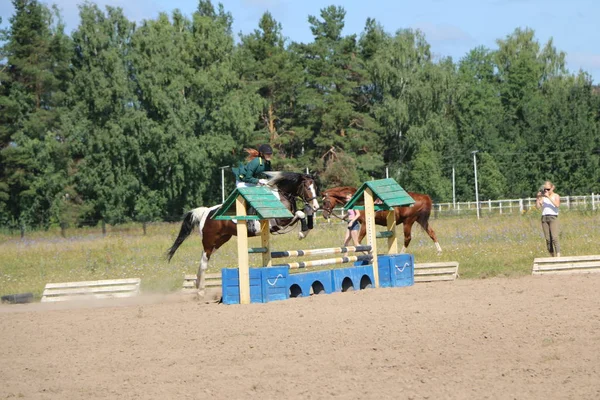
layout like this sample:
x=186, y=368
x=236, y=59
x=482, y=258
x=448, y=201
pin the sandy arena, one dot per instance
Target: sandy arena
x=526, y=338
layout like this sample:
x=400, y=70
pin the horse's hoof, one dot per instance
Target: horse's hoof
x=301, y=235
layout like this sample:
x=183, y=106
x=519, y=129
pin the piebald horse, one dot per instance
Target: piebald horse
x=418, y=212
x=290, y=186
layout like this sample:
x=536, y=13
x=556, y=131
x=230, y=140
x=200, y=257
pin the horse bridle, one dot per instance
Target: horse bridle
x=330, y=209
x=302, y=196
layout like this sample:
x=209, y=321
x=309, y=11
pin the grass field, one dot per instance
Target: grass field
x=501, y=245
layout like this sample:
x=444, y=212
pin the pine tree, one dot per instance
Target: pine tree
x=104, y=122
x=274, y=74
x=333, y=109
x=33, y=154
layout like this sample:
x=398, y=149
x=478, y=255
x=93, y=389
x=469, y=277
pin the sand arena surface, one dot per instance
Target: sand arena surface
x=526, y=338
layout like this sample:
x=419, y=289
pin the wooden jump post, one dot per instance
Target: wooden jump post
x=267, y=206
x=242, y=247
x=380, y=195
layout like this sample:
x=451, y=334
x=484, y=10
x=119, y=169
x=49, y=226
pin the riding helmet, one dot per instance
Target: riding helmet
x=265, y=149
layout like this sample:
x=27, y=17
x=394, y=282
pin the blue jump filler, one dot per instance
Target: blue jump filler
x=276, y=283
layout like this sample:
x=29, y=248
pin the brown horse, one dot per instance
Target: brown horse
x=418, y=212
x=290, y=186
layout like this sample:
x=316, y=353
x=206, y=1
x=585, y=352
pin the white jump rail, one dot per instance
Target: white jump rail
x=437, y=271
x=102, y=289
x=566, y=265
x=212, y=281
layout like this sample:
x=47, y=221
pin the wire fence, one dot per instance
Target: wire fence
x=511, y=206
x=505, y=206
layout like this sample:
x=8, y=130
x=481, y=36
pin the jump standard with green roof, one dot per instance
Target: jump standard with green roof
x=243, y=285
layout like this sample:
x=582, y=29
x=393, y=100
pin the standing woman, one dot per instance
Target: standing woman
x=549, y=202
x=251, y=174
x=353, y=225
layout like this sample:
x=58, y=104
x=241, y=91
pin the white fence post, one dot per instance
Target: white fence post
x=520, y=206
x=593, y=202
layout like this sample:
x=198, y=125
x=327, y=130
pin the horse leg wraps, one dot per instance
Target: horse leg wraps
x=308, y=212
x=200, y=276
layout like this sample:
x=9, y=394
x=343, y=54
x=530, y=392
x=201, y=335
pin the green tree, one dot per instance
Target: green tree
x=273, y=73
x=568, y=151
x=396, y=70
x=331, y=114
x=200, y=115
x=104, y=122
x=492, y=183
x=415, y=108
x=478, y=117
x=523, y=68
x=341, y=171
x=33, y=155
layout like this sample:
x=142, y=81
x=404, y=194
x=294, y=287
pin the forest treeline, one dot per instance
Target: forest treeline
x=121, y=121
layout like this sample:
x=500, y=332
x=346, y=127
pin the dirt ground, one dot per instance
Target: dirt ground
x=526, y=338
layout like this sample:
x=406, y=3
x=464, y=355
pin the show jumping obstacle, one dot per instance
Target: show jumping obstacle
x=437, y=271
x=566, y=265
x=244, y=284
x=103, y=289
x=313, y=252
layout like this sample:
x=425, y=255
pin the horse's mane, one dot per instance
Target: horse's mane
x=280, y=178
x=339, y=193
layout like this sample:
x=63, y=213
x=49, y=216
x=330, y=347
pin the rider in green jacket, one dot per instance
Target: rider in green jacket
x=252, y=173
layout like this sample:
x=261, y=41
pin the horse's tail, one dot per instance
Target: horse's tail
x=192, y=219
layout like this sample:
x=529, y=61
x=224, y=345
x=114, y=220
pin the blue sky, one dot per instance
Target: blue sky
x=452, y=27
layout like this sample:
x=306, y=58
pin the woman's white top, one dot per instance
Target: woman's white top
x=548, y=208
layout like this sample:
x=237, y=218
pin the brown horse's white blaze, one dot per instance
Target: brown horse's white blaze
x=407, y=216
